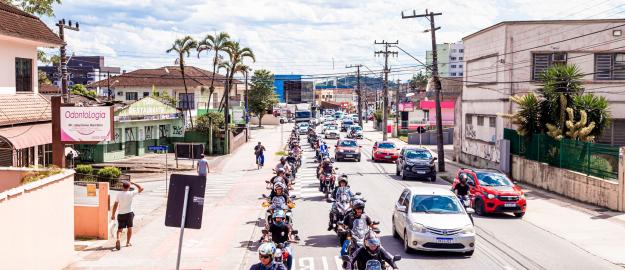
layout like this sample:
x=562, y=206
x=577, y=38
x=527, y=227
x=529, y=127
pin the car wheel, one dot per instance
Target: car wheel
x=433, y=178
x=395, y=234
x=469, y=253
x=519, y=215
x=403, y=176
x=407, y=248
x=479, y=207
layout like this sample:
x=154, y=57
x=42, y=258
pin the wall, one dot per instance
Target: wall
x=571, y=184
x=40, y=232
x=268, y=119
x=237, y=141
x=10, y=48
x=10, y=178
x=93, y=220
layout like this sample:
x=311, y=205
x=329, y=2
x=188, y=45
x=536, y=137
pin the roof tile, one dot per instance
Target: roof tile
x=23, y=108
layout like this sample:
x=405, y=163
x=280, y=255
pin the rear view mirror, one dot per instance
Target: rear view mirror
x=293, y=197
x=360, y=146
x=358, y=193
x=470, y=211
x=265, y=231
x=265, y=196
x=435, y=158
x=401, y=208
x=294, y=232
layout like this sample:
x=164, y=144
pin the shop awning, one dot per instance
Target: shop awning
x=27, y=135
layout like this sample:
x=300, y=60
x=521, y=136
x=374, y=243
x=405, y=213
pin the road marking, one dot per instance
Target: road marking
x=308, y=263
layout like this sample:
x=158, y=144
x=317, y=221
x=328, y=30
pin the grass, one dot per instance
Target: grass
x=281, y=153
x=403, y=138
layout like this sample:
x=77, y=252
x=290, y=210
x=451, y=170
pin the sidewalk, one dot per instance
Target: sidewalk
x=596, y=230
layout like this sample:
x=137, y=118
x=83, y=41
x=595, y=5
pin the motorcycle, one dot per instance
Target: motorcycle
x=358, y=233
x=373, y=264
x=278, y=204
x=342, y=207
x=327, y=179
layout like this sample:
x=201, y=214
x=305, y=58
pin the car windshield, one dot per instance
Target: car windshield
x=302, y=114
x=413, y=154
x=303, y=125
x=357, y=128
x=347, y=122
x=493, y=179
x=348, y=144
x=386, y=145
x=437, y=204
x=332, y=127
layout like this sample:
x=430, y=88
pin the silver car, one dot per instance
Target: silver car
x=433, y=219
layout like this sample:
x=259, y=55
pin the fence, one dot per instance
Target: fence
x=600, y=160
x=115, y=183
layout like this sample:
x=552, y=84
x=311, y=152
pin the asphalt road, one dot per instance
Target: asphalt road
x=503, y=242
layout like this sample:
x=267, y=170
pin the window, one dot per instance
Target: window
x=131, y=96
x=186, y=101
x=469, y=119
x=610, y=66
x=460, y=66
x=453, y=50
x=461, y=74
x=453, y=74
x=453, y=58
x=542, y=61
x=23, y=75
x=461, y=50
x=492, y=121
x=480, y=120
x=453, y=66
x=215, y=100
x=146, y=94
x=460, y=58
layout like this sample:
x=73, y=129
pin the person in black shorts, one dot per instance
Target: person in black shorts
x=125, y=216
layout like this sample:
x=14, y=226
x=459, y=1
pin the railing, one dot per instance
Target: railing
x=115, y=183
x=600, y=160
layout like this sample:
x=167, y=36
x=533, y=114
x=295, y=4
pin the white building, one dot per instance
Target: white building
x=450, y=58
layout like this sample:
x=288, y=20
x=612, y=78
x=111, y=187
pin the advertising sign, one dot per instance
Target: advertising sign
x=406, y=107
x=86, y=124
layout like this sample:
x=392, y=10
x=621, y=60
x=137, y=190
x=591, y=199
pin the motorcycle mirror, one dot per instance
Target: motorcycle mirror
x=265, y=196
x=358, y=193
x=345, y=258
x=363, y=200
x=294, y=231
x=360, y=146
x=336, y=168
x=293, y=197
x=265, y=231
x=376, y=222
x=396, y=258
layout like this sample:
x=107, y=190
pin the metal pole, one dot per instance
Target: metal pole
x=182, y=224
x=166, y=167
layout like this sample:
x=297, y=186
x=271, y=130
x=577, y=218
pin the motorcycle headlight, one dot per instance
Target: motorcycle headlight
x=468, y=229
x=416, y=227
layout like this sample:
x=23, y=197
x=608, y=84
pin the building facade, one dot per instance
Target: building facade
x=450, y=57
x=25, y=125
x=506, y=59
x=82, y=70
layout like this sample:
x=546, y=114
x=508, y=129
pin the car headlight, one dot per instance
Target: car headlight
x=522, y=196
x=469, y=229
x=416, y=227
x=490, y=196
x=340, y=150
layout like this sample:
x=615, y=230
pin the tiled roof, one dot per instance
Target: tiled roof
x=169, y=76
x=17, y=23
x=24, y=108
x=49, y=89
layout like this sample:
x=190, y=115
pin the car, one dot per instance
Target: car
x=384, y=151
x=302, y=127
x=283, y=119
x=330, y=118
x=417, y=162
x=332, y=131
x=433, y=219
x=355, y=118
x=347, y=149
x=346, y=123
x=325, y=126
x=358, y=132
x=493, y=192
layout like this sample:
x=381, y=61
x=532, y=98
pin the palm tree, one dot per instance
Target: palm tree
x=216, y=43
x=237, y=55
x=184, y=46
x=527, y=117
x=559, y=84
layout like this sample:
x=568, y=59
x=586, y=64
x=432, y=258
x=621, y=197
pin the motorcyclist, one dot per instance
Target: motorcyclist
x=281, y=233
x=325, y=168
x=371, y=251
x=280, y=177
x=297, y=150
x=358, y=212
x=265, y=255
x=343, y=188
x=284, y=165
x=462, y=188
x=279, y=195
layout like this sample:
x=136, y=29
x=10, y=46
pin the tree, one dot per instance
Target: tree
x=35, y=7
x=418, y=81
x=208, y=120
x=237, y=55
x=261, y=96
x=527, y=117
x=43, y=78
x=559, y=84
x=216, y=43
x=183, y=47
x=596, y=107
x=79, y=89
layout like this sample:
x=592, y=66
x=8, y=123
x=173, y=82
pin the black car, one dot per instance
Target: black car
x=416, y=162
x=346, y=124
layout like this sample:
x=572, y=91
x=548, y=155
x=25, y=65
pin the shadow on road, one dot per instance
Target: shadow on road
x=326, y=240
x=320, y=198
x=249, y=245
x=395, y=247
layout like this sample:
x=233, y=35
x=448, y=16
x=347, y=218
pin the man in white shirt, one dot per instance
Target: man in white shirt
x=123, y=203
x=202, y=167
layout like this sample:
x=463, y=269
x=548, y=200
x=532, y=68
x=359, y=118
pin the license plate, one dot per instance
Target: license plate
x=421, y=172
x=510, y=205
x=444, y=240
x=387, y=156
x=348, y=155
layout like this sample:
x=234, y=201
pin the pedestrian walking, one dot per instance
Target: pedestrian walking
x=125, y=216
x=202, y=166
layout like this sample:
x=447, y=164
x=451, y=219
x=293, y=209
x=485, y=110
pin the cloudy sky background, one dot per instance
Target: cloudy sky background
x=296, y=37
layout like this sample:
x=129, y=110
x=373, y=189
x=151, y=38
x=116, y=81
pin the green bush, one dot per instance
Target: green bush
x=214, y=119
x=600, y=165
x=109, y=172
x=38, y=175
x=84, y=169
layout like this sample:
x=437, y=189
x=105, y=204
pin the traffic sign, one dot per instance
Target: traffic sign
x=158, y=148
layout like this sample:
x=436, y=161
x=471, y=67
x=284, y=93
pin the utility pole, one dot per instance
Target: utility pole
x=397, y=108
x=385, y=111
x=358, y=91
x=62, y=26
x=108, y=82
x=437, y=84
x=247, y=111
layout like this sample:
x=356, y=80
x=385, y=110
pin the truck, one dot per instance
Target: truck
x=303, y=113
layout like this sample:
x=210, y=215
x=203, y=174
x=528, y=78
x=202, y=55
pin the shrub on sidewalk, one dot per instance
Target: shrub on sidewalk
x=109, y=172
x=84, y=169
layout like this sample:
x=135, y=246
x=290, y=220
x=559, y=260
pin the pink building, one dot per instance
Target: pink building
x=447, y=112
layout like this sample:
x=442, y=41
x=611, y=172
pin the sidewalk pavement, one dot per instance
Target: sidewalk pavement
x=596, y=230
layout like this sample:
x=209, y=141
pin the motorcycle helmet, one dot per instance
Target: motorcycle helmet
x=279, y=185
x=373, y=245
x=279, y=214
x=358, y=204
x=282, y=159
x=267, y=249
x=326, y=159
x=344, y=180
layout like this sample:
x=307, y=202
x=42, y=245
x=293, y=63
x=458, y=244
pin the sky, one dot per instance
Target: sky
x=310, y=37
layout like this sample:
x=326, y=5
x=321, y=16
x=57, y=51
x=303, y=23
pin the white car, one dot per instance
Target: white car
x=433, y=219
x=332, y=131
x=302, y=128
x=358, y=131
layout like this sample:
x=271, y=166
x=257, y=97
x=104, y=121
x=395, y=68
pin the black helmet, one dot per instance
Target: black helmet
x=343, y=178
x=282, y=159
x=358, y=204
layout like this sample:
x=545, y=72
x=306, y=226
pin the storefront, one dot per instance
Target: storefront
x=144, y=123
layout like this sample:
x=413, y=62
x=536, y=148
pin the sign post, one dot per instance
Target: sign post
x=182, y=222
x=164, y=149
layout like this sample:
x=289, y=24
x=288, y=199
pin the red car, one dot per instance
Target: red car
x=493, y=192
x=384, y=151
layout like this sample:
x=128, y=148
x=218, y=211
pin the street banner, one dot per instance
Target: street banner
x=406, y=107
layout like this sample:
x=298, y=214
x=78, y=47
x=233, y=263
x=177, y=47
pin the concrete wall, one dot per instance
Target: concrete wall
x=237, y=141
x=571, y=184
x=11, y=178
x=430, y=137
x=37, y=225
x=93, y=220
x=10, y=48
x=268, y=119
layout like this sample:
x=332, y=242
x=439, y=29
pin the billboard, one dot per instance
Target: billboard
x=406, y=107
x=86, y=124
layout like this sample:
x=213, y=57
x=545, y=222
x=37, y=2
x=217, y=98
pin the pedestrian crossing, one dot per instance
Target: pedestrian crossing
x=218, y=185
x=307, y=185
